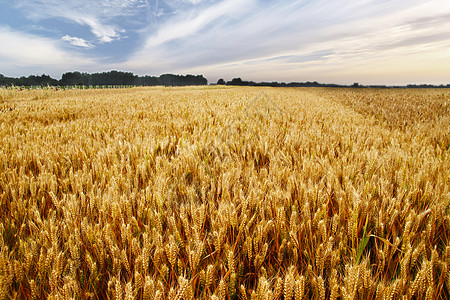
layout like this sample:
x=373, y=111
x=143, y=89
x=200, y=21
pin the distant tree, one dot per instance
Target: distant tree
x=34, y=80
x=127, y=78
x=240, y=82
x=113, y=78
x=72, y=78
x=7, y=80
x=235, y=81
x=180, y=80
x=221, y=82
x=167, y=79
x=147, y=80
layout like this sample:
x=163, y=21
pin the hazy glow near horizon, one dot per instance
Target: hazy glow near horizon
x=371, y=42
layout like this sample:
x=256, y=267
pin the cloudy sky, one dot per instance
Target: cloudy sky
x=330, y=41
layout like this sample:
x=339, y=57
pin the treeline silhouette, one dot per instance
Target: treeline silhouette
x=104, y=78
x=240, y=82
x=120, y=78
x=32, y=80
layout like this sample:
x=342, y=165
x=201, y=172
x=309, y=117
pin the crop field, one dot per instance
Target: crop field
x=225, y=193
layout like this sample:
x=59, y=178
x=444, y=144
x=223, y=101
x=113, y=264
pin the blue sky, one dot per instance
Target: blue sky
x=371, y=42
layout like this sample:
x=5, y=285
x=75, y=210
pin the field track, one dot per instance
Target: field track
x=225, y=193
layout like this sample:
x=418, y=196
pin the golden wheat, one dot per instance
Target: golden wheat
x=225, y=193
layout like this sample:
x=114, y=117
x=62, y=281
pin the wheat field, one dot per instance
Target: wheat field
x=225, y=193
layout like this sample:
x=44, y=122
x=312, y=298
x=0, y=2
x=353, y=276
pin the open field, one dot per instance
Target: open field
x=225, y=193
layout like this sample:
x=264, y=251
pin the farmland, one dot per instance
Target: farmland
x=225, y=193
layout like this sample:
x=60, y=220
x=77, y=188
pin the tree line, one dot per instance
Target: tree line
x=240, y=82
x=127, y=78
x=105, y=78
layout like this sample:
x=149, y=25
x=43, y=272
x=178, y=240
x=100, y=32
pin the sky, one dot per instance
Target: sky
x=329, y=41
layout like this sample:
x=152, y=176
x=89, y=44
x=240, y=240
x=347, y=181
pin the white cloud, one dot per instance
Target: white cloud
x=184, y=26
x=261, y=39
x=36, y=54
x=98, y=15
x=105, y=33
x=77, y=41
x=242, y=39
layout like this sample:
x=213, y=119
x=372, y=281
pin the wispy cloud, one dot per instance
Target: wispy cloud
x=99, y=16
x=323, y=40
x=77, y=41
x=185, y=25
x=104, y=33
x=290, y=40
